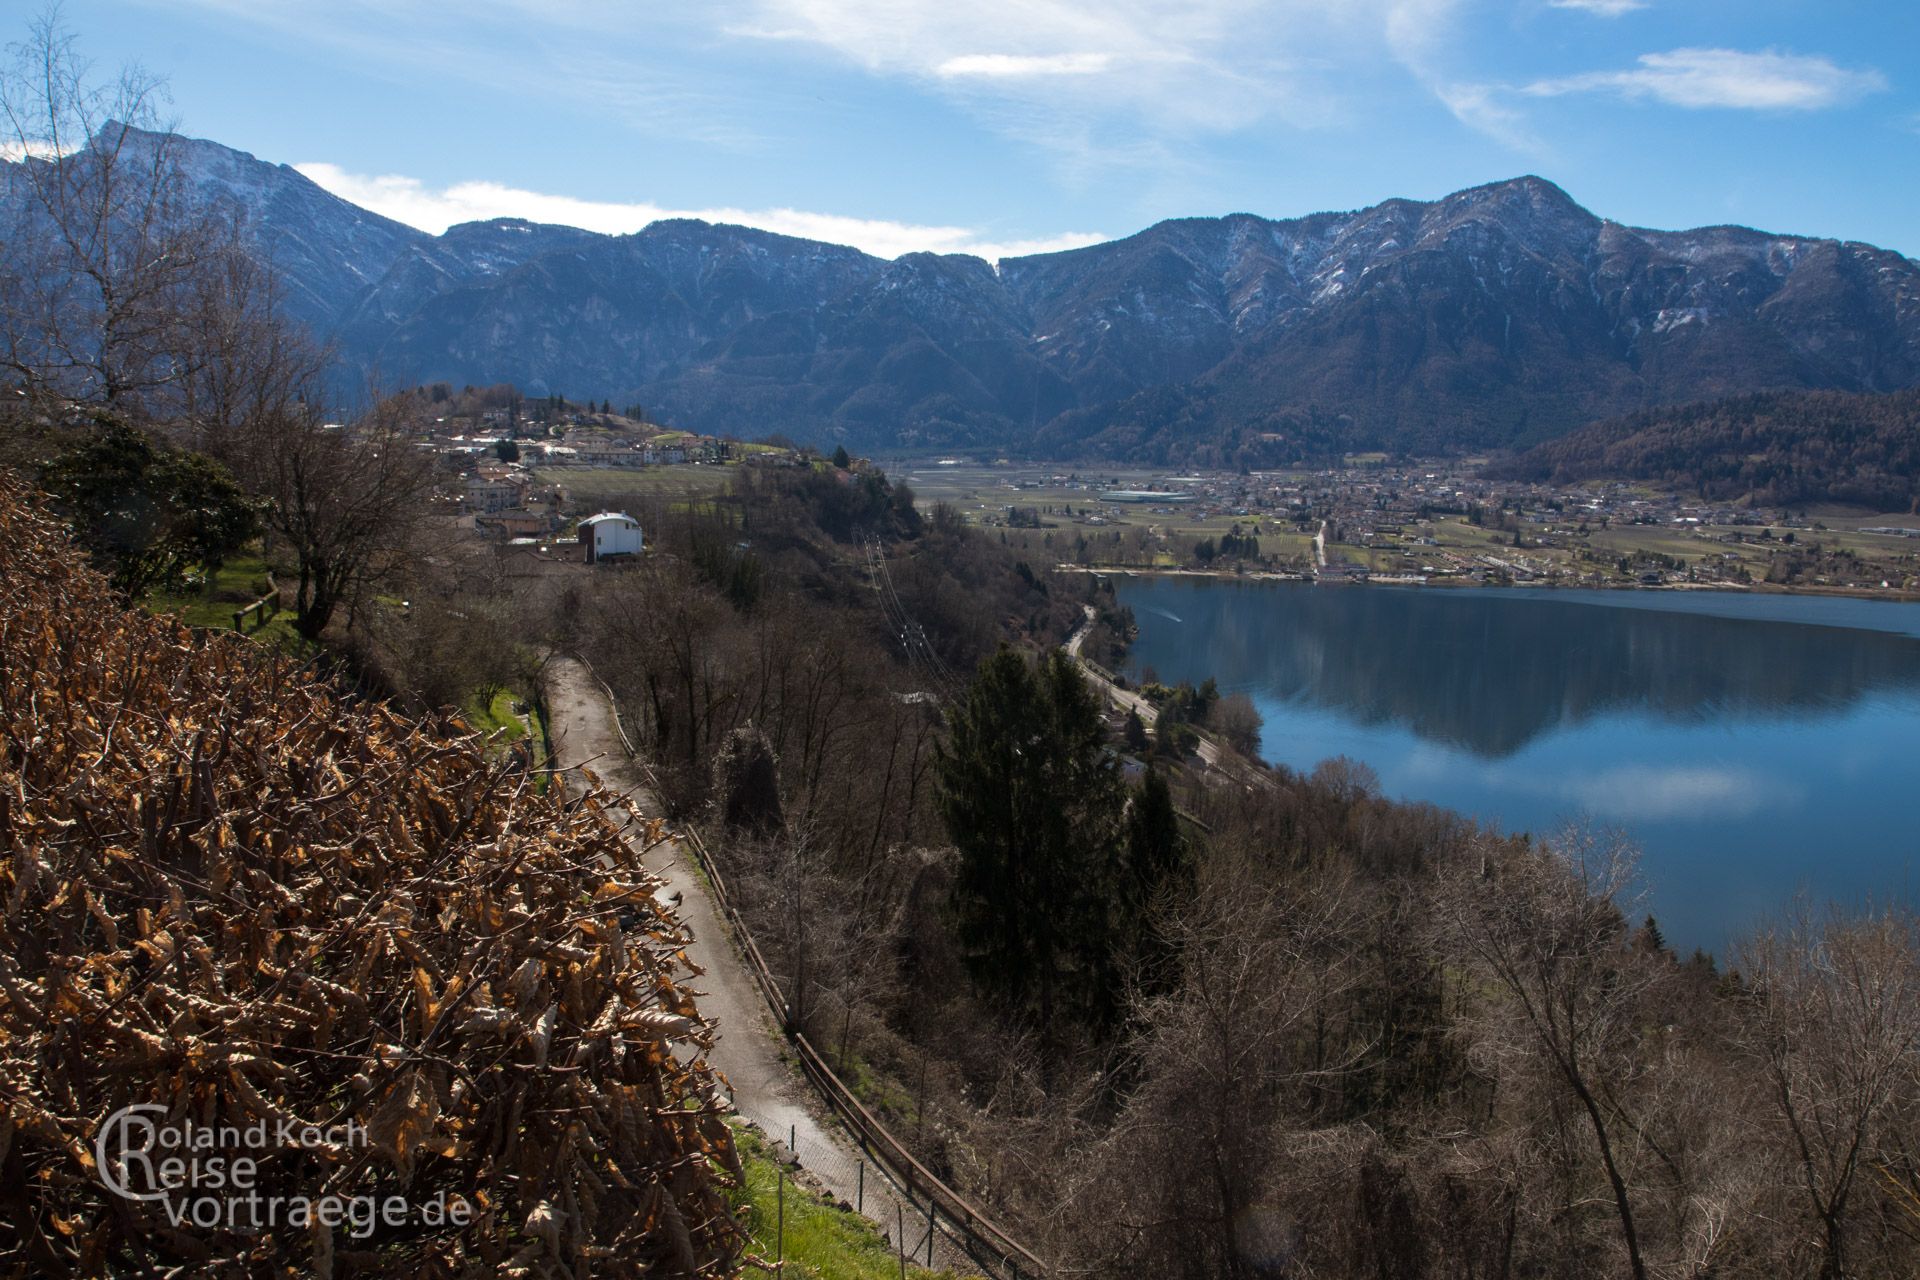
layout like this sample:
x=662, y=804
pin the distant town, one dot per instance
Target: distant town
x=1436, y=523
x=528, y=474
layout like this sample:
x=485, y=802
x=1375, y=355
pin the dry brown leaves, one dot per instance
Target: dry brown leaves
x=244, y=899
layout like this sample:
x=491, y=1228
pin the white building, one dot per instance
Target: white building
x=611, y=533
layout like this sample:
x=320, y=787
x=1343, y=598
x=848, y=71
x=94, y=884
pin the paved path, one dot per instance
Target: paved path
x=747, y=1045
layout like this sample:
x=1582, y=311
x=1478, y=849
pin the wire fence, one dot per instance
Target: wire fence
x=951, y=1222
x=918, y=1234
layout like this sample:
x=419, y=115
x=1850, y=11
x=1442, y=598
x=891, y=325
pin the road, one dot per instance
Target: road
x=747, y=1046
x=1208, y=751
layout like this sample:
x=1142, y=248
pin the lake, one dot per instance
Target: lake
x=1753, y=746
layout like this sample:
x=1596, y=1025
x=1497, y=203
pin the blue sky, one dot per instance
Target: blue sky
x=998, y=126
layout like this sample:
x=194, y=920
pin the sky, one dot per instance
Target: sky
x=1000, y=127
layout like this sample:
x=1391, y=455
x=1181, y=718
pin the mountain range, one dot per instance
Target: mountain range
x=1504, y=315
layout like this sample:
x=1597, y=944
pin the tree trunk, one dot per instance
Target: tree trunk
x=1620, y=1200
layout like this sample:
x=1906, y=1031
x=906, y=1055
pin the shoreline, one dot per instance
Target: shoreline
x=1890, y=595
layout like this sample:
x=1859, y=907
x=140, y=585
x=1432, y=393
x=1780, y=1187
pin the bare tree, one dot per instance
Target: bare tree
x=1546, y=926
x=252, y=364
x=663, y=637
x=1238, y=721
x=348, y=501
x=1835, y=1027
x=1227, y=1062
x=104, y=258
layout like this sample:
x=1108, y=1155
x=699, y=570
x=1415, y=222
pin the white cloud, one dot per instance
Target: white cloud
x=599, y=54
x=1420, y=36
x=1418, y=33
x=1702, y=78
x=1701, y=793
x=1479, y=106
x=1600, y=8
x=1000, y=65
x=1122, y=83
x=1057, y=68
x=433, y=209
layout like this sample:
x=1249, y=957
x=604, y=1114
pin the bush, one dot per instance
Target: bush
x=239, y=897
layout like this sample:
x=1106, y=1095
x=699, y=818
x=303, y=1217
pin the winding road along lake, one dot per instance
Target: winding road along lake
x=1753, y=746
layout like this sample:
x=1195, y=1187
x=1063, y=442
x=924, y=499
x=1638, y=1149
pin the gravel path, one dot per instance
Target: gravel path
x=748, y=1047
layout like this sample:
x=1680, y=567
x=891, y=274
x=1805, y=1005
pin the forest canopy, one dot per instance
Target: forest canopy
x=1777, y=448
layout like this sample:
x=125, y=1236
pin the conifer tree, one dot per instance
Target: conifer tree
x=1156, y=875
x=1031, y=798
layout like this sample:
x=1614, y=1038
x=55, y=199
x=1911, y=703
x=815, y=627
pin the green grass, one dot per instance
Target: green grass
x=1459, y=535
x=710, y=510
x=880, y=1094
x=233, y=587
x=595, y=484
x=1659, y=539
x=485, y=715
x=821, y=1241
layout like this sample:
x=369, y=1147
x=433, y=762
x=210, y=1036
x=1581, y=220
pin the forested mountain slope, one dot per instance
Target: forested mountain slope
x=1776, y=448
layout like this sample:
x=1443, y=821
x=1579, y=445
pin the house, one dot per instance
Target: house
x=611, y=533
x=515, y=524
x=1337, y=571
x=610, y=454
x=497, y=493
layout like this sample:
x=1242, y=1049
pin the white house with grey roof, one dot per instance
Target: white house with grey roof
x=609, y=534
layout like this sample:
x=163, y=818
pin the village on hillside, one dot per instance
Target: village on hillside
x=526, y=474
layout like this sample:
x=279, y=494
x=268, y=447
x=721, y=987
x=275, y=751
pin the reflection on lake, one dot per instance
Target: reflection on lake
x=1753, y=745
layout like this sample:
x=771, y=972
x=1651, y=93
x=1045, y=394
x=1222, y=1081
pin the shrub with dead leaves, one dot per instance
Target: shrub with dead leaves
x=393, y=1009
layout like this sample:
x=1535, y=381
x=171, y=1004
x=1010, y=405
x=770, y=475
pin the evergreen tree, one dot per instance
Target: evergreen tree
x=840, y=458
x=1156, y=875
x=1031, y=798
x=147, y=513
x=1156, y=852
x=746, y=783
x=1135, y=732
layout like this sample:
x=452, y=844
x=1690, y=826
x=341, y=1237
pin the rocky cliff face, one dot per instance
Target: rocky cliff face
x=1503, y=314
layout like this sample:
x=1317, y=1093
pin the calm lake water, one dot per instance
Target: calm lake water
x=1752, y=746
